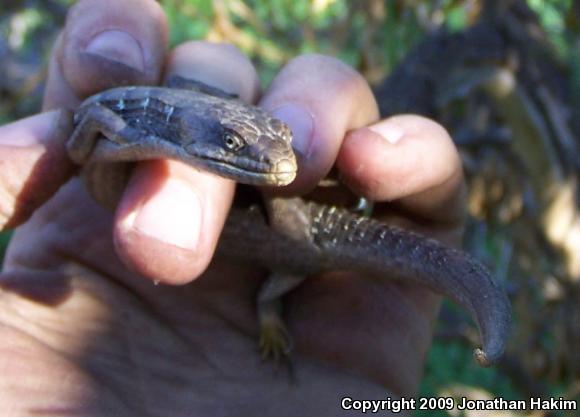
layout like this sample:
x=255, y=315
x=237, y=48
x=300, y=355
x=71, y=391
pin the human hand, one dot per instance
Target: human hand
x=85, y=332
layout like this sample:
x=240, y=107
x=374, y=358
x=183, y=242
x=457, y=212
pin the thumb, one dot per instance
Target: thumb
x=33, y=164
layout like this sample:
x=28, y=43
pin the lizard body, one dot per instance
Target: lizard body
x=211, y=130
x=201, y=126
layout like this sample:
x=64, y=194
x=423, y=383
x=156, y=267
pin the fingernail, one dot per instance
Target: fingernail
x=301, y=124
x=172, y=215
x=30, y=131
x=117, y=46
x=390, y=131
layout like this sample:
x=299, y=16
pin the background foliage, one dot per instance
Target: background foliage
x=374, y=37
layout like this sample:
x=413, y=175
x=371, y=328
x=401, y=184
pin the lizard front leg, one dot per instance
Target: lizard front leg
x=286, y=216
x=275, y=339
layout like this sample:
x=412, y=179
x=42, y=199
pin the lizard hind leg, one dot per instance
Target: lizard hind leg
x=275, y=340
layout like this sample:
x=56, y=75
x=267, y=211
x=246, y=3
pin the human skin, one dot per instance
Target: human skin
x=83, y=329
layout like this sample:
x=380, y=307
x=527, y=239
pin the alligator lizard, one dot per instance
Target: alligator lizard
x=214, y=131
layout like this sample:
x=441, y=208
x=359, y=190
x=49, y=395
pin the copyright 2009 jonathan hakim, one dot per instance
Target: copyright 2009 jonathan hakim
x=396, y=405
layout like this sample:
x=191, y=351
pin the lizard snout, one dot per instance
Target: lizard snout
x=285, y=171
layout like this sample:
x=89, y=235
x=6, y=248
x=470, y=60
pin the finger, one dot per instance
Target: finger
x=106, y=43
x=320, y=98
x=34, y=164
x=211, y=65
x=171, y=215
x=409, y=159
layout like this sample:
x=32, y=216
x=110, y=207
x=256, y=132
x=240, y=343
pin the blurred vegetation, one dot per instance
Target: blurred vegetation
x=520, y=150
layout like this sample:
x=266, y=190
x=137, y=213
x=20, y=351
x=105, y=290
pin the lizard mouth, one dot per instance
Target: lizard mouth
x=247, y=168
x=280, y=174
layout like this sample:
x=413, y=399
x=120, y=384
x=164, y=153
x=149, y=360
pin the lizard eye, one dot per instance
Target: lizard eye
x=233, y=141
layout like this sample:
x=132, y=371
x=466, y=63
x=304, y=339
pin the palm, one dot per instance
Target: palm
x=140, y=345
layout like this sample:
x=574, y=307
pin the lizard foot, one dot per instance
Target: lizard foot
x=275, y=340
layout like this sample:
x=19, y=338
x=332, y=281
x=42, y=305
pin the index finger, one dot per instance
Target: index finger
x=410, y=160
x=320, y=98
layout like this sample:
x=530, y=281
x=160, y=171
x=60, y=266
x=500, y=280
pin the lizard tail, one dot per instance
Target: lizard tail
x=366, y=245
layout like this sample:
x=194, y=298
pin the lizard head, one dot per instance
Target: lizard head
x=241, y=142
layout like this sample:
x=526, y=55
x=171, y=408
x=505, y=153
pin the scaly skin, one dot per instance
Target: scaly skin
x=209, y=129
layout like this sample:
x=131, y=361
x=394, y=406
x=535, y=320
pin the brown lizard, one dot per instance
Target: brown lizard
x=212, y=130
